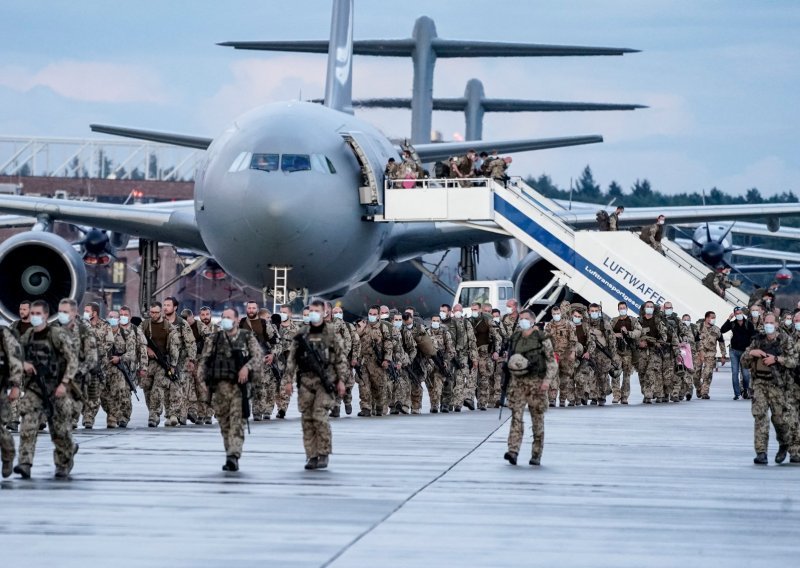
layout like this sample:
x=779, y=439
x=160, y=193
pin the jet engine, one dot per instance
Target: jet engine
x=38, y=265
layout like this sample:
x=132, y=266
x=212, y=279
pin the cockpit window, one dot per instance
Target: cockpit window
x=295, y=162
x=264, y=162
x=330, y=165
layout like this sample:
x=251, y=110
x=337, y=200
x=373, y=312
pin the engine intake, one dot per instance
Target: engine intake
x=39, y=266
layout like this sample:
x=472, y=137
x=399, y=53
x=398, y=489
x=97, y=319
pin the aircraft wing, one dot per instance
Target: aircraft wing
x=444, y=150
x=764, y=268
x=758, y=230
x=638, y=216
x=172, y=222
x=767, y=254
x=14, y=221
x=391, y=47
x=197, y=142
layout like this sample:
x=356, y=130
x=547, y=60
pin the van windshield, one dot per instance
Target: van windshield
x=469, y=296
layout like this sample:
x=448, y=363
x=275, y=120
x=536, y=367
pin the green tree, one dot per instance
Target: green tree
x=614, y=191
x=587, y=189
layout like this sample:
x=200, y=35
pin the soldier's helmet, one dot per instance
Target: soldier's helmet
x=517, y=364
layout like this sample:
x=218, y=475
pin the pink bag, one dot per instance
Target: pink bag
x=686, y=356
x=410, y=181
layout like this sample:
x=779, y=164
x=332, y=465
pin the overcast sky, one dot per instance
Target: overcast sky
x=721, y=77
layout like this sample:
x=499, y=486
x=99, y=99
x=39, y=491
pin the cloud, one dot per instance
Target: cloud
x=770, y=175
x=89, y=81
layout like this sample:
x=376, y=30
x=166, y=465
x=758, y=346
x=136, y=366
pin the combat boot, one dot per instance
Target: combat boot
x=615, y=400
x=511, y=457
x=445, y=409
x=458, y=409
x=256, y=418
x=647, y=401
x=208, y=420
x=780, y=457
x=483, y=407
x=601, y=402
x=706, y=397
x=111, y=423
x=231, y=464
x=624, y=401
x=794, y=459
x=689, y=396
x=348, y=408
x=469, y=404
x=312, y=463
x=192, y=417
x=62, y=473
x=122, y=424
x=571, y=403
x=8, y=468
x=395, y=409
x=552, y=404
x=13, y=427
x=364, y=412
x=434, y=410
x=761, y=459
x=418, y=411
x=336, y=411
x=23, y=469
x=403, y=409
x=535, y=460
x=322, y=462
x=281, y=414
x=152, y=424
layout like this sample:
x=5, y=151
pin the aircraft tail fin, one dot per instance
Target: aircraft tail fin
x=339, y=80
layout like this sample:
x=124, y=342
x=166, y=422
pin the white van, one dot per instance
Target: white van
x=496, y=292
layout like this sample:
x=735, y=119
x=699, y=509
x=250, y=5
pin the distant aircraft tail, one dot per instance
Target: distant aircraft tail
x=339, y=81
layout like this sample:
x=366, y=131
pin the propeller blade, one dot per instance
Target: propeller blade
x=708, y=229
x=726, y=233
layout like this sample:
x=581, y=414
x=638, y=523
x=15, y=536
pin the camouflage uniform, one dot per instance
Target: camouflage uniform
x=342, y=329
x=604, y=338
x=219, y=370
x=497, y=376
x=405, y=351
x=188, y=353
x=420, y=365
x=286, y=332
x=488, y=342
x=88, y=361
x=793, y=404
x=199, y=409
x=10, y=376
x=114, y=388
x=626, y=350
x=158, y=388
x=138, y=344
x=376, y=347
x=314, y=400
x=690, y=378
x=18, y=328
x=654, y=335
x=527, y=390
x=771, y=393
x=91, y=401
x=562, y=335
x=265, y=383
x=652, y=235
x=54, y=347
x=443, y=342
x=709, y=338
x=672, y=382
x=584, y=373
x=466, y=353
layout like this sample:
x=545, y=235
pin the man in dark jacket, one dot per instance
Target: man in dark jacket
x=743, y=333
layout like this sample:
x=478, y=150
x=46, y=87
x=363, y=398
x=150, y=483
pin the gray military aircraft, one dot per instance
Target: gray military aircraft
x=288, y=184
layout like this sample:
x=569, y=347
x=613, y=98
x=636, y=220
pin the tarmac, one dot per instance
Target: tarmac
x=637, y=485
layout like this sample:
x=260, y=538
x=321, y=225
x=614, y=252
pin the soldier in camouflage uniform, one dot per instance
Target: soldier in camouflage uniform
x=771, y=357
x=318, y=363
x=286, y=332
x=52, y=357
x=653, y=337
x=497, y=376
x=114, y=390
x=199, y=410
x=438, y=375
x=691, y=379
x=416, y=339
x=186, y=365
x=18, y=328
x=88, y=358
x=228, y=360
x=672, y=381
x=10, y=383
x=104, y=339
x=562, y=335
x=465, y=360
x=404, y=353
x=710, y=337
x=794, y=394
x=157, y=386
x=376, y=356
x=138, y=343
x=335, y=318
x=626, y=333
x=265, y=384
x=489, y=343
x=532, y=365
x=585, y=350
x=603, y=362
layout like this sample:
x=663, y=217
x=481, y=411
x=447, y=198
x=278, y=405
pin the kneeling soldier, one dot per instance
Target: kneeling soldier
x=318, y=363
x=229, y=357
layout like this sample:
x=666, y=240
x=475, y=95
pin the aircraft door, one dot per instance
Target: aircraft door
x=368, y=192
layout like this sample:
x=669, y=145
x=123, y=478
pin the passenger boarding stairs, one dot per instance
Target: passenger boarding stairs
x=603, y=267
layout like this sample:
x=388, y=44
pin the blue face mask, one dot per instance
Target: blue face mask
x=594, y=315
x=797, y=325
x=113, y=322
x=314, y=317
x=668, y=311
x=524, y=324
x=577, y=321
x=226, y=324
x=649, y=311
x=435, y=325
x=36, y=321
x=556, y=317
x=397, y=324
x=372, y=319
x=769, y=328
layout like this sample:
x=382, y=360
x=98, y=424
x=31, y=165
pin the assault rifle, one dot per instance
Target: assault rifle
x=438, y=360
x=123, y=367
x=415, y=371
x=312, y=359
x=169, y=370
x=43, y=371
x=504, y=388
x=240, y=361
x=391, y=369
